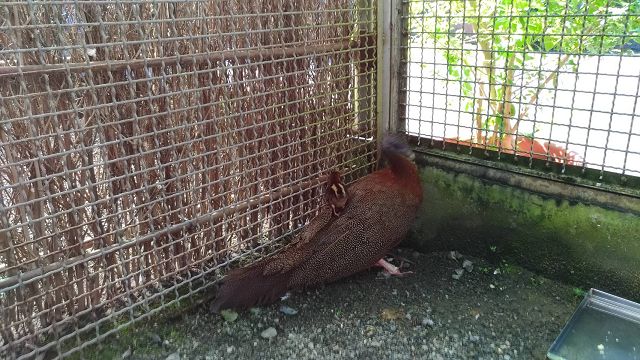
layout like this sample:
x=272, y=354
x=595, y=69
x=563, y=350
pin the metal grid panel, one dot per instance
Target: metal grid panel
x=540, y=79
x=147, y=144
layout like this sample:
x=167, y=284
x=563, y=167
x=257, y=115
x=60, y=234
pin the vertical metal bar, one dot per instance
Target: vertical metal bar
x=384, y=69
x=399, y=32
x=364, y=80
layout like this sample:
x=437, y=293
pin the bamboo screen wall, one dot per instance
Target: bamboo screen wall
x=147, y=145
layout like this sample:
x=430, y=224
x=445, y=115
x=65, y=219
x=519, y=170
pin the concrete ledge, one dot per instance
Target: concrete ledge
x=581, y=235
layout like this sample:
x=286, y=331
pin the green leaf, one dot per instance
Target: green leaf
x=468, y=106
x=453, y=72
x=467, y=89
x=549, y=43
x=573, y=65
x=229, y=315
x=578, y=292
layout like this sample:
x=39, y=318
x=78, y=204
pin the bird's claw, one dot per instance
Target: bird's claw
x=391, y=269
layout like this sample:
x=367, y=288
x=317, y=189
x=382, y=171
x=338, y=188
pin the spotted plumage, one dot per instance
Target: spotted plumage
x=335, y=199
x=376, y=214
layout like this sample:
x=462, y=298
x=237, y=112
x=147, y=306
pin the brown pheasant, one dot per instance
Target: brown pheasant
x=377, y=212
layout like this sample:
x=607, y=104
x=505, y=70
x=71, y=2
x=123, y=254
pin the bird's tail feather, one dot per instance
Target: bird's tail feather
x=247, y=287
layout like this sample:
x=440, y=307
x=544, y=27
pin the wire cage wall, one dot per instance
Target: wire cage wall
x=527, y=80
x=147, y=145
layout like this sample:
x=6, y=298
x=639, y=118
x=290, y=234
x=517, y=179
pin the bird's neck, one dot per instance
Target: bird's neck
x=406, y=172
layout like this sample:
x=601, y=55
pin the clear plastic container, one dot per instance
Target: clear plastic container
x=603, y=327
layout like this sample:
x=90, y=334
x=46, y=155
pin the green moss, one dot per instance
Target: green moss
x=585, y=245
x=140, y=335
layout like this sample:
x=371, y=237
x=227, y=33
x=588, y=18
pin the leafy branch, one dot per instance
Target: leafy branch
x=491, y=45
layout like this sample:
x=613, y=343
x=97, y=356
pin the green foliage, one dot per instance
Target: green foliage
x=579, y=293
x=488, y=43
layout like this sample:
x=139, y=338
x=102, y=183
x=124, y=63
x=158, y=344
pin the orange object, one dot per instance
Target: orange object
x=527, y=147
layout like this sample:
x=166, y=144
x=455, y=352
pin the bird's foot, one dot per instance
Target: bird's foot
x=403, y=260
x=391, y=269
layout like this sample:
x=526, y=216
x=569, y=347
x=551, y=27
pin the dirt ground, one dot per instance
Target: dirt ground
x=495, y=311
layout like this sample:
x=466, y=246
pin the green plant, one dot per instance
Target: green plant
x=493, y=47
x=578, y=292
x=338, y=313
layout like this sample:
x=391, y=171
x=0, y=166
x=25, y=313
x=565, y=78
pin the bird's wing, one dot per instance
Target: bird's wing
x=300, y=245
x=352, y=226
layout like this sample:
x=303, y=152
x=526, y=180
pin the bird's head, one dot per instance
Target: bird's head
x=337, y=196
x=394, y=144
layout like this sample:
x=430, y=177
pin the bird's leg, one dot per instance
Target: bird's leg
x=402, y=259
x=390, y=268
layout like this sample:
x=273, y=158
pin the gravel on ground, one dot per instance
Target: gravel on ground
x=451, y=307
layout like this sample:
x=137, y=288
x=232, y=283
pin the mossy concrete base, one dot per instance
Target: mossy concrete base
x=584, y=245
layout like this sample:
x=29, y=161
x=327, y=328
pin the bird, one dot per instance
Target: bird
x=355, y=228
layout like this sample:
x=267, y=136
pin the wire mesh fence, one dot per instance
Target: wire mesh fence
x=146, y=145
x=549, y=80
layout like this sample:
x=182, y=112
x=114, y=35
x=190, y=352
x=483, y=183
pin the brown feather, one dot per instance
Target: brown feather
x=247, y=287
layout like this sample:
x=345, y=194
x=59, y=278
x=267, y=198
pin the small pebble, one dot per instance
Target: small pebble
x=467, y=265
x=229, y=349
x=288, y=310
x=269, y=333
x=229, y=315
x=427, y=322
x=155, y=338
x=474, y=338
x=174, y=356
x=254, y=311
